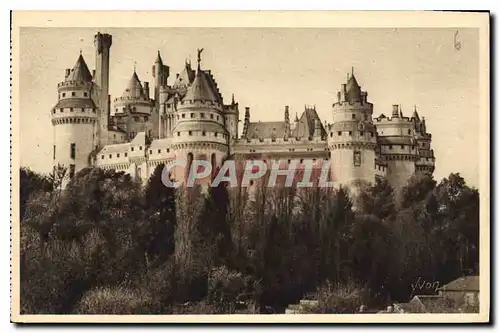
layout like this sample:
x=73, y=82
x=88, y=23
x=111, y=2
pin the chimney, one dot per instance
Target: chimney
x=343, y=93
x=246, y=122
x=66, y=72
x=395, y=111
x=287, y=122
x=146, y=90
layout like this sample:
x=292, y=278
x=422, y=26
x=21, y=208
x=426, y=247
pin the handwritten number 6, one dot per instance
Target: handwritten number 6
x=458, y=45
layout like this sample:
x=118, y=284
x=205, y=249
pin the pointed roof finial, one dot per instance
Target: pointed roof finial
x=199, y=58
x=135, y=63
x=352, y=70
x=232, y=99
x=80, y=51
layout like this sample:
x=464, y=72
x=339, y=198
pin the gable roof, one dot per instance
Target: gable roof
x=465, y=283
x=306, y=124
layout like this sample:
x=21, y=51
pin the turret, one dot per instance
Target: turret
x=75, y=120
x=352, y=138
x=134, y=109
x=200, y=131
x=102, y=44
x=161, y=73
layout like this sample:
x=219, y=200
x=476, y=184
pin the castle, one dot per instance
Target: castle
x=189, y=120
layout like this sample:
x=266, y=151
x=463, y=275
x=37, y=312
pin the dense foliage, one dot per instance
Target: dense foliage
x=106, y=244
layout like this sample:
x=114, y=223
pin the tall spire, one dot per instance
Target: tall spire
x=158, y=59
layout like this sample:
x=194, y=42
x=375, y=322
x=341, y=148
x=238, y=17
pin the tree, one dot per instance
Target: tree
x=157, y=235
x=31, y=183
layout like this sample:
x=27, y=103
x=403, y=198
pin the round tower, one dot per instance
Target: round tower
x=352, y=138
x=232, y=115
x=75, y=120
x=199, y=132
x=397, y=146
x=133, y=110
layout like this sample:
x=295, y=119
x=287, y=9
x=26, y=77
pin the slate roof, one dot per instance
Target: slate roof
x=75, y=103
x=80, y=71
x=263, y=130
x=134, y=88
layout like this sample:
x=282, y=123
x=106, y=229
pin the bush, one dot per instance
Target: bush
x=115, y=300
x=338, y=298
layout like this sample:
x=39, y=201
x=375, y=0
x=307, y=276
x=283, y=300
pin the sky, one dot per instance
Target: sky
x=268, y=68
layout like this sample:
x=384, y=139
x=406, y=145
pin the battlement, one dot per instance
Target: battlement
x=383, y=119
x=102, y=41
x=198, y=104
x=128, y=100
x=278, y=141
x=74, y=84
x=351, y=105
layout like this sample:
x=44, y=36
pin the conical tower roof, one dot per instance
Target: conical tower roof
x=80, y=71
x=353, y=89
x=158, y=59
x=134, y=88
x=201, y=89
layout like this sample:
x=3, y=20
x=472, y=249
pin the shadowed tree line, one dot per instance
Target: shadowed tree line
x=106, y=244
